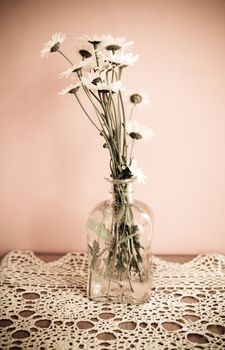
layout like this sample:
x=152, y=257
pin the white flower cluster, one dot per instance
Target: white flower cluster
x=98, y=74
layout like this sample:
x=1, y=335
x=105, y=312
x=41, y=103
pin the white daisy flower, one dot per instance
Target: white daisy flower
x=92, y=78
x=73, y=88
x=139, y=132
x=85, y=64
x=114, y=44
x=104, y=87
x=67, y=73
x=85, y=49
x=116, y=86
x=119, y=57
x=137, y=172
x=105, y=67
x=53, y=44
x=94, y=40
x=140, y=97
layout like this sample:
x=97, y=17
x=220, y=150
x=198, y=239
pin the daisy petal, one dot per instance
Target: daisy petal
x=139, y=132
x=53, y=44
x=137, y=172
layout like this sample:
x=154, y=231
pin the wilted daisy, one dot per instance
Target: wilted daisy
x=53, y=44
x=139, y=132
x=72, y=89
x=114, y=44
x=120, y=57
x=137, y=172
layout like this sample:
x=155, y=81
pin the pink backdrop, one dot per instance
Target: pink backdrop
x=52, y=161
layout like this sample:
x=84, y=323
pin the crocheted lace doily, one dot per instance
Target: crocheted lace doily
x=44, y=306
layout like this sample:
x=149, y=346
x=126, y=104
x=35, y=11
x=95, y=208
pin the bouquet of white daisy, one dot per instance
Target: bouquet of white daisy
x=97, y=79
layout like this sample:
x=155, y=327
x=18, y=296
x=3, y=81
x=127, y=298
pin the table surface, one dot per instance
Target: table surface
x=48, y=257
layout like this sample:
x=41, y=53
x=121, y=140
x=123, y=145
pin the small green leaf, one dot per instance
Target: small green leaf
x=125, y=239
x=95, y=249
x=99, y=229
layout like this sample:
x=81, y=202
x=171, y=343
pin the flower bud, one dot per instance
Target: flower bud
x=135, y=98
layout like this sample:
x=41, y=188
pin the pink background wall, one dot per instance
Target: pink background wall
x=52, y=162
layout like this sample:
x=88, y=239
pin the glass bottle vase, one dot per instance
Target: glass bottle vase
x=119, y=239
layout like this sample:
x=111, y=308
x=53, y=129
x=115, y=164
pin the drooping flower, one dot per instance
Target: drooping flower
x=53, y=44
x=139, y=132
x=137, y=172
x=84, y=64
x=119, y=57
x=114, y=44
x=72, y=89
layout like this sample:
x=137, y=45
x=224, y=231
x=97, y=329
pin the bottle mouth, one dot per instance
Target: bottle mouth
x=120, y=181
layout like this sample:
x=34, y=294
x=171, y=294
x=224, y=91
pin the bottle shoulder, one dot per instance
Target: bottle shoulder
x=136, y=205
x=143, y=207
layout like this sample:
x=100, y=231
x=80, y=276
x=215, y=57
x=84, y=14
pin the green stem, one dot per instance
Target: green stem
x=124, y=127
x=111, y=103
x=131, y=111
x=86, y=113
x=65, y=57
x=131, y=150
x=89, y=283
x=96, y=56
x=114, y=231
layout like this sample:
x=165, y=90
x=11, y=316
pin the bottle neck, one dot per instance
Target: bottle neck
x=121, y=192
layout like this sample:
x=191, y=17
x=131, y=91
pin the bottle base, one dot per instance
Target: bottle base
x=112, y=290
x=123, y=299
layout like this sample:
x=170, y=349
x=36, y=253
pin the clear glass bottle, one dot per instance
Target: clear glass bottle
x=119, y=240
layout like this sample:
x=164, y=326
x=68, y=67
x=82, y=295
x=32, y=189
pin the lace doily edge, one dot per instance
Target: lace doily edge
x=198, y=259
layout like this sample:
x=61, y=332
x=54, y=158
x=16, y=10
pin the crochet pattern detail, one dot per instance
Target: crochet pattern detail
x=44, y=306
